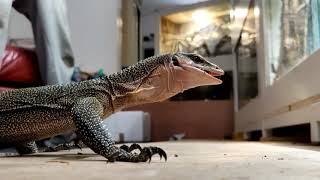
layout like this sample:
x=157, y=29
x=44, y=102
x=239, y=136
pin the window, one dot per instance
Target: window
x=291, y=34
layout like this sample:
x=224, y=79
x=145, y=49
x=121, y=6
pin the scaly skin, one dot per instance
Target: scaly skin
x=31, y=114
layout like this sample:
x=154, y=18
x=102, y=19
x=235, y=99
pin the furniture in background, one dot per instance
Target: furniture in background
x=19, y=69
x=129, y=126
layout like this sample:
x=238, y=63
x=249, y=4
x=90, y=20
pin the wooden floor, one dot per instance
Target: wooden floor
x=197, y=160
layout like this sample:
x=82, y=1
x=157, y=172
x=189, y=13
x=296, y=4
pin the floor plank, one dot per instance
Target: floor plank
x=199, y=160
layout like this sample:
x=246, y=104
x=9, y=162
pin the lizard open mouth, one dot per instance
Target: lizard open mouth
x=199, y=63
x=213, y=71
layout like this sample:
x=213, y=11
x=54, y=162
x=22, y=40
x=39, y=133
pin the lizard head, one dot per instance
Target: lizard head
x=196, y=69
x=161, y=77
x=180, y=72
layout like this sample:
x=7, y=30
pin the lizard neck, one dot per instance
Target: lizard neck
x=126, y=95
x=126, y=86
x=126, y=101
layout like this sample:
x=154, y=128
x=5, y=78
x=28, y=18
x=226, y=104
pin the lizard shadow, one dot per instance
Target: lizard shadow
x=61, y=157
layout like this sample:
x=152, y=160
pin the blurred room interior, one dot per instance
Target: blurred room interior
x=268, y=50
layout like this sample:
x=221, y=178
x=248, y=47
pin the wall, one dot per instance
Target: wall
x=19, y=26
x=197, y=119
x=95, y=33
x=130, y=34
x=150, y=24
x=225, y=62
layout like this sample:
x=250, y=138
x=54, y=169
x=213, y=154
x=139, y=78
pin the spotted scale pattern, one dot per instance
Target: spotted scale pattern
x=91, y=131
x=126, y=80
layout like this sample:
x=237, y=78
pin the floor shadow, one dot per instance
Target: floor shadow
x=295, y=145
x=57, y=157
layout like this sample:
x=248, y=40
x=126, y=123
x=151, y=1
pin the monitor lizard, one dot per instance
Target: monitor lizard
x=31, y=114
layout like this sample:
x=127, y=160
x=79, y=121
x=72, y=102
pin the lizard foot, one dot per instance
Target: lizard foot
x=145, y=154
x=65, y=146
x=27, y=148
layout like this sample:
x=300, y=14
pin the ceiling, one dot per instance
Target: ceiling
x=149, y=6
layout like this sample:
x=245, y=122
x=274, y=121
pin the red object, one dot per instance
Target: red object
x=19, y=67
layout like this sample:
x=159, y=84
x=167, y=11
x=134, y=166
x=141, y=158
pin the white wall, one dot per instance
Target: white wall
x=19, y=26
x=149, y=24
x=225, y=62
x=95, y=33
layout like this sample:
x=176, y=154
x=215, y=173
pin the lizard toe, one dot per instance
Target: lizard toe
x=125, y=148
x=134, y=147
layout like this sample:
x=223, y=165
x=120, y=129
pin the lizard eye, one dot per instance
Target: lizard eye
x=175, y=60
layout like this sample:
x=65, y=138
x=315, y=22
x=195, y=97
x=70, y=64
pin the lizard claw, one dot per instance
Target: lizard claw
x=159, y=151
x=131, y=148
x=150, y=151
x=67, y=146
x=78, y=146
x=134, y=147
x=162, y=153
x=145, y=154
x=125, y=148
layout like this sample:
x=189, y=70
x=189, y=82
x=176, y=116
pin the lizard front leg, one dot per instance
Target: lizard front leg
x=87, y=118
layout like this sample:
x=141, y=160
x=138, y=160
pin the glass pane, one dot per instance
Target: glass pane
x=292, y=33
x=313, y=26
x=246, y=54
x=203, y=30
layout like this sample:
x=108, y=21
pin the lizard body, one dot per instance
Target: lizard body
x=31, y=114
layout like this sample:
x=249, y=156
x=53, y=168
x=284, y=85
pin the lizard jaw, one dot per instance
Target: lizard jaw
x=205, y=77
x=212, y=71
x=189, y=60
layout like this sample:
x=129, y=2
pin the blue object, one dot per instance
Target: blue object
x=76, y=76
